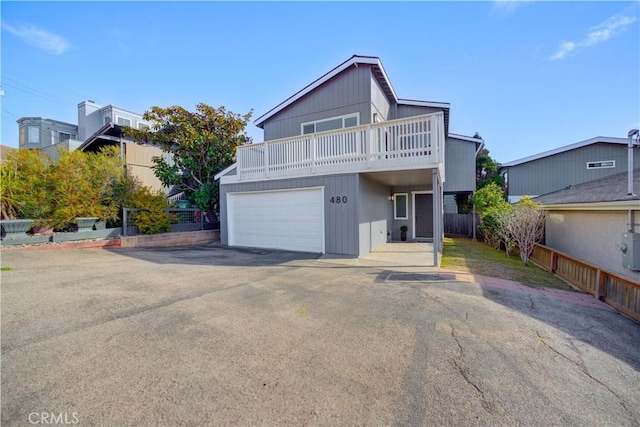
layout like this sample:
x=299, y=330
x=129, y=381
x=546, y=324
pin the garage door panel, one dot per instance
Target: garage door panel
x=288, y=219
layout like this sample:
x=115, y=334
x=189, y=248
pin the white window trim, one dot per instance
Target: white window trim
x=590, y=164
x=406, y=201
x=346, y=116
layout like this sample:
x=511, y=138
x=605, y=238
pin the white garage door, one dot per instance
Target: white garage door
x=288, y=219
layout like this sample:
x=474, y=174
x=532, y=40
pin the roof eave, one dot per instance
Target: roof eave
x=356, y=59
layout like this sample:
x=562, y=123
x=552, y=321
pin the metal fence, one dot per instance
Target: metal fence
x=182, y=220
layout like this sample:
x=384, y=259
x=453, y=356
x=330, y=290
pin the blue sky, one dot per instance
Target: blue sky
x=528, y=76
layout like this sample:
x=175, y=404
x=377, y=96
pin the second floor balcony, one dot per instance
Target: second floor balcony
x=403, y=144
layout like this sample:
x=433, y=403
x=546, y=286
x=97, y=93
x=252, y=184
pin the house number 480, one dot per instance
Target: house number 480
x=338, y=199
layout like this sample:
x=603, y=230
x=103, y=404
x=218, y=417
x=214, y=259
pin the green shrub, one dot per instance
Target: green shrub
x=151, y=218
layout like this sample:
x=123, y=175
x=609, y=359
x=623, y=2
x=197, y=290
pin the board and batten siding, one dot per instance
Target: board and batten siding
x=375, y=211
x=460, y=166
x=404, y=111
x=379, y=102
x=558, y=171
x=340, y=219
x=395, y=224
x=347, y=93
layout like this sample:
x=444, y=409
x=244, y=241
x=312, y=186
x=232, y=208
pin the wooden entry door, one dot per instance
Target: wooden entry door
x=424, y=215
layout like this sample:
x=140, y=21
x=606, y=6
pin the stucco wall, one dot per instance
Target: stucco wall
x=591, y=236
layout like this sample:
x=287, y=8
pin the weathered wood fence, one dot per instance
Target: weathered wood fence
x=621, y=293
x=460, y=224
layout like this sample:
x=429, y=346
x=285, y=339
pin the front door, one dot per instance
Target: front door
x=424, y=215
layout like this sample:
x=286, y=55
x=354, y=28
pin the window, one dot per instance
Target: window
x=123, y=122
x=63, y=136
x=333, y=123
x=143, y=126
x=601, y=165
x=34, y=135
x=400, y=206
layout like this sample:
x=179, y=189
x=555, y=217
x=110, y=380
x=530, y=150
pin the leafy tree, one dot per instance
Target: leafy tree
x=25, y=186
x=487, y=170
x=202, y=143
x=151, y=218
x=491, y=205
x=82, y=184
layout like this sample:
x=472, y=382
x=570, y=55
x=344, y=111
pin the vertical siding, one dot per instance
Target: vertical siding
x=375, y=212
x=460, y=165
x=413, y=110
x=569, y=168
x=347, y=93
x=395, y=225
x=379, y=103
x=341, y=219
x=138, y=160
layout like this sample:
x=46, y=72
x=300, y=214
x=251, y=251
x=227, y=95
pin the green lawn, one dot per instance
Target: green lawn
x=465, y=255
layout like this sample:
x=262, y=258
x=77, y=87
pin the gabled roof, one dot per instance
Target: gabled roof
x=379, y=73
x=466, y=138
x=108, y=134
x=597, y=139
x=610, y=189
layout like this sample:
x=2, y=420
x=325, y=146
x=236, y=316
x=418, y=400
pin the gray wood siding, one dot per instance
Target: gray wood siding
x=460, y=166
x=395, y=224
x=569, y=168
x=379, y=102
x=414, y=110
x=347, y=93
x=340, y=220
x=375, y=211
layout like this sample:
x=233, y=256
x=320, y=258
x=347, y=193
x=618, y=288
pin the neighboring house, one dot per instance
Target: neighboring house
x=569, y=165
x=47, y=135
x=587, y=221
x=344, y=165
x=97, y=126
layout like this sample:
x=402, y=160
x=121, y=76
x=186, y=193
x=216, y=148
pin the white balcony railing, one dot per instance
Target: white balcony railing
x=412, y=143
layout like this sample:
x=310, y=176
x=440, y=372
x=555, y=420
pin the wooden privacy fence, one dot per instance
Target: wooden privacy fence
x=460, y=224
x=621, y=293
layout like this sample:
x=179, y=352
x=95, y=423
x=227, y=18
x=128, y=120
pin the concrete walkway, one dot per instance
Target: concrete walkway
x=409, y=257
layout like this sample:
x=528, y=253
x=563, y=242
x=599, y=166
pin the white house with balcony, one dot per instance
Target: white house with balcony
x=344, y=165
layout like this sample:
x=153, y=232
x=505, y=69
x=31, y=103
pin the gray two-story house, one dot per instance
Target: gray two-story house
x=344, y=164
x=572, y=164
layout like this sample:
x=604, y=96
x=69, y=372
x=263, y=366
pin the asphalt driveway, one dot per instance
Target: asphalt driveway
x=212, y=336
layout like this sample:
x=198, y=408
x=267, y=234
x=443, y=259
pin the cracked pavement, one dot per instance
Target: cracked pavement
x=213, y=336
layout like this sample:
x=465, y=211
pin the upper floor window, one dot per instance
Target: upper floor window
x=34, y=135
x=332, y=123
x=63, y=136
x=123, y=122
x=602, y=164
x=142, y=126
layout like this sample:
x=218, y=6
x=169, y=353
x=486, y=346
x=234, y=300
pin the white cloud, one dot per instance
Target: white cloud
x=49, y=42
x=508, y=6
x=597, y=34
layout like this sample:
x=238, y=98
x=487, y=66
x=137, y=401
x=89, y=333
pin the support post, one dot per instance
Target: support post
x=124, y=221
x=601, y=285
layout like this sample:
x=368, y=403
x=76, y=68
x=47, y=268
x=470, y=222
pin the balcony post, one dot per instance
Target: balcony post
x=368, y=145
x=266, y=160
x=314, y=153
